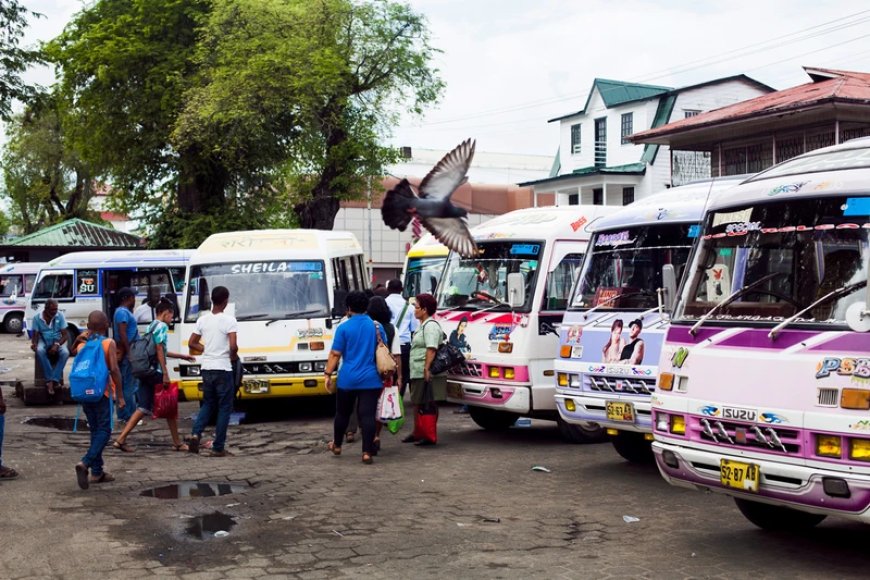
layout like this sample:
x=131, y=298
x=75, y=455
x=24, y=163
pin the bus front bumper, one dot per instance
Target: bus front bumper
x=580, y=409
x=264, y=388
x=501, y=397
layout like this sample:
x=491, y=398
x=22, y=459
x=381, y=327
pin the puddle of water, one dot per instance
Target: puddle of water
x=210, y=526
x=187, y=489
x=61, y=423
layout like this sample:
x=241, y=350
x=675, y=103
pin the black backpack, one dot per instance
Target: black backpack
x=143, y=355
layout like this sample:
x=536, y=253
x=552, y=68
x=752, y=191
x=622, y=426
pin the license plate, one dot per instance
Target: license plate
x=454, y=390
x=619, y=411
x=742, y=476
x=255, y=387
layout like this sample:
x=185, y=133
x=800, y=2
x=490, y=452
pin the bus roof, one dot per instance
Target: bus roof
x=21, y=268
x=428, y=247
x=275, y=244
x=562, y=222
x=120, y=259
x=683, y=204
x=832, y=171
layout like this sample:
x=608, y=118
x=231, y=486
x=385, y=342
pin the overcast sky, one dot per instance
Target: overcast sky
x=510, y=65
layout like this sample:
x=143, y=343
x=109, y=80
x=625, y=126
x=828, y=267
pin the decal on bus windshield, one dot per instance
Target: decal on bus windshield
x=275, y=267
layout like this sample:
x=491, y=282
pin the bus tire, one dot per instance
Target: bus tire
x=777, y=518
x=14, y=323
x=586, y=433
x=492, y=420
x=633, y=447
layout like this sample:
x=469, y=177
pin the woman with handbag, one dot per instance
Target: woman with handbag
x=158, y=329
x=427, y=389
x=355, y=342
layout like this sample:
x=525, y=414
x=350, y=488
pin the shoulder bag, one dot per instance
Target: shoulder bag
x=383, y=359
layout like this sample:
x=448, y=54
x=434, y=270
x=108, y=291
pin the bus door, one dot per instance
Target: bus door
x=154, y=282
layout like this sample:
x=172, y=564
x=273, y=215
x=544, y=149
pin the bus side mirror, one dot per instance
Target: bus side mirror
x=669, y=283
x=516, y=289
x=858, y=317
x=338, y=307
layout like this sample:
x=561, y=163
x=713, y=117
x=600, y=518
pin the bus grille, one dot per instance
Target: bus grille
x=467, y=369
x=632, y=385
x=745, y=435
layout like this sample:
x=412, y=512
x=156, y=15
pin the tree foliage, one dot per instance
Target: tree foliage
x=230, y=114
x=14, y=59
x=45, y=182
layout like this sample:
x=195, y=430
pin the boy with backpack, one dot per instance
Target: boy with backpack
x=158, y=378
x=93, y=380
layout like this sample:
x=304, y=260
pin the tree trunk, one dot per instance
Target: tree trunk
x=202, y=183
x=320, y=210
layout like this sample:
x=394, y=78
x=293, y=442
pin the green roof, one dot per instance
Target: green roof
x=615, y=93
x=557, y=163
x=629, y=169
x=663, y=113
x=80, y=234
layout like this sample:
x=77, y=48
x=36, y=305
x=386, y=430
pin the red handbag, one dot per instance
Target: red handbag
x=166, y=402
x=426, y=420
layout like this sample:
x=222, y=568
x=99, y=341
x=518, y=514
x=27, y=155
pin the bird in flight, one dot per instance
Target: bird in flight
x=431, y=203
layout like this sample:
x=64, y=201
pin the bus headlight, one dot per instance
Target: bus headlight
x=509, y=373
x=662, y=422
x=494, y=372
x=859, y=449
x=562, y=379
x=305, y=367
x=678, y=424
x=320, y=366
x=828, y=446
x=190, y=371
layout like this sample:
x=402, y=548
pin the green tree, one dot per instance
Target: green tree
x=230, y=114
x=44, y=181
x=4, y=224
x=14, y=60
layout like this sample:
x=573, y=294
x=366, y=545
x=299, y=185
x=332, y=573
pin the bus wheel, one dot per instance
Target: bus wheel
x=492, y=420
x=633, y=447
x=13, y=323
x=777, y=518
x=585, y=433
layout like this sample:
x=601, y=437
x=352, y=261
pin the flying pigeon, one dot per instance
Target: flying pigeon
x=432, y=204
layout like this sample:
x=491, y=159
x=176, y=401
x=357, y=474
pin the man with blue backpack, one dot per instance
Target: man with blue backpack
x=93, y=380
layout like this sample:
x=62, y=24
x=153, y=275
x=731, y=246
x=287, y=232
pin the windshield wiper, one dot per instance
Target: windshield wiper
x=295, y=314
x=838, y=293
x=252, y=316
x=734, y=296
x=612, y=298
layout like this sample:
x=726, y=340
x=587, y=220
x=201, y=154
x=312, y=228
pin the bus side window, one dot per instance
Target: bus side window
x=29, y=280
x=58, y=286
x=559, y=282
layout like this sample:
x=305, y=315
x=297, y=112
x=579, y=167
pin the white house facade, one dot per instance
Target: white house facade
x=597, y=163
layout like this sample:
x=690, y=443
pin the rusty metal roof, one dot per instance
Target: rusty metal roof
x=828, y=85
x=79, y=234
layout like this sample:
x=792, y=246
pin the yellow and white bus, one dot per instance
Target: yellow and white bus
x=287, y=291
x=423, y=266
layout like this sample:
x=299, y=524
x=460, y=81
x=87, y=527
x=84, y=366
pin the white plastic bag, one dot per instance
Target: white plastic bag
x=388, y=405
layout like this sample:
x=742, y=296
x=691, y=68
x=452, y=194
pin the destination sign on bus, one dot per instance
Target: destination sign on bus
x=275, y=267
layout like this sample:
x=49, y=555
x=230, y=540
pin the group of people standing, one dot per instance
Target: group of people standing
x=412, y=337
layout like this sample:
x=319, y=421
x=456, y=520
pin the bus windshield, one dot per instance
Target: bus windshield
x=624, y=267
x=481, y=282
x=276, y=290
x=423, y=275
x=766, y=262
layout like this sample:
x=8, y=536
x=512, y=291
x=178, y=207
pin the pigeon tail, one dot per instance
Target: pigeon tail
x=396, y=204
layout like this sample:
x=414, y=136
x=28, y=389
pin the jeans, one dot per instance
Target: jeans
x=100, y=424
x=368, y=408
x=130, y=385
x=217, y=395
x=52, y=373
x=2, y=426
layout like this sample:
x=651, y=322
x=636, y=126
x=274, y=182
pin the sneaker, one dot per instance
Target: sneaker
x=193, y=444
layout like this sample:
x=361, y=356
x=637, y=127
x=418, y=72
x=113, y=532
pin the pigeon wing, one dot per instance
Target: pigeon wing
x=453, y=233
x=449, y=173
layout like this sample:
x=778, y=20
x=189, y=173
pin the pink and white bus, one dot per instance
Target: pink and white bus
x=764, y=393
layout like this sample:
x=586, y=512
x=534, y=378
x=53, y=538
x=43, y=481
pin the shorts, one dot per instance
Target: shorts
x=145, y=394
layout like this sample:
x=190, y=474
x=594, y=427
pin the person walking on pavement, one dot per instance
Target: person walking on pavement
x=49, y=339
x=218, y=329
x=6, y=472
x=159, y=329
x=99, y=414
x=405, y=323
x=125, y=333
x=424, y=345
x=358, y=378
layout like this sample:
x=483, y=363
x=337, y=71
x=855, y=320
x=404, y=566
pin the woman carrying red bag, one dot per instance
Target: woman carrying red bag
x=426, y=389
x=159, y=330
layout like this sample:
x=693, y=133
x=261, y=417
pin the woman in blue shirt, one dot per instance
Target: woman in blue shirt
x=358, y=379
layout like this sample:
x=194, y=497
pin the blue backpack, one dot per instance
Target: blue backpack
x=90, y=373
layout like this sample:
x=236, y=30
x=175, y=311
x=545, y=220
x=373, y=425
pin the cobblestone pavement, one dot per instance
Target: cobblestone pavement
x=470, y=507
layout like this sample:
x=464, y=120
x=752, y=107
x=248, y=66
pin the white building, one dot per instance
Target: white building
x=597, y=164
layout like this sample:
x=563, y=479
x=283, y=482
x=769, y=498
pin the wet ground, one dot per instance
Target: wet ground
x=470, y=507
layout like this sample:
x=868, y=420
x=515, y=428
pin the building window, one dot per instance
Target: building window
x=575, y=139
x=691, y=113
x=627, y=195
x=601, y=142
x=574, y=199
x=597, y=197
x=627, y=126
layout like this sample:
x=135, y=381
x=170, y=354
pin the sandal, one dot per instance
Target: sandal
x=193, y=444
x=332, y=447
x=367, y=459
x=8, y=473
x=104, y=477
x=82, y=475
x=376, y=446
x=125, y=447
x=49, y=388
x=180, y=447
x=350, y=436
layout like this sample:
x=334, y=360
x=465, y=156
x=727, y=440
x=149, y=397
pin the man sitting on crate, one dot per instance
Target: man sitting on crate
x=49, y=341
